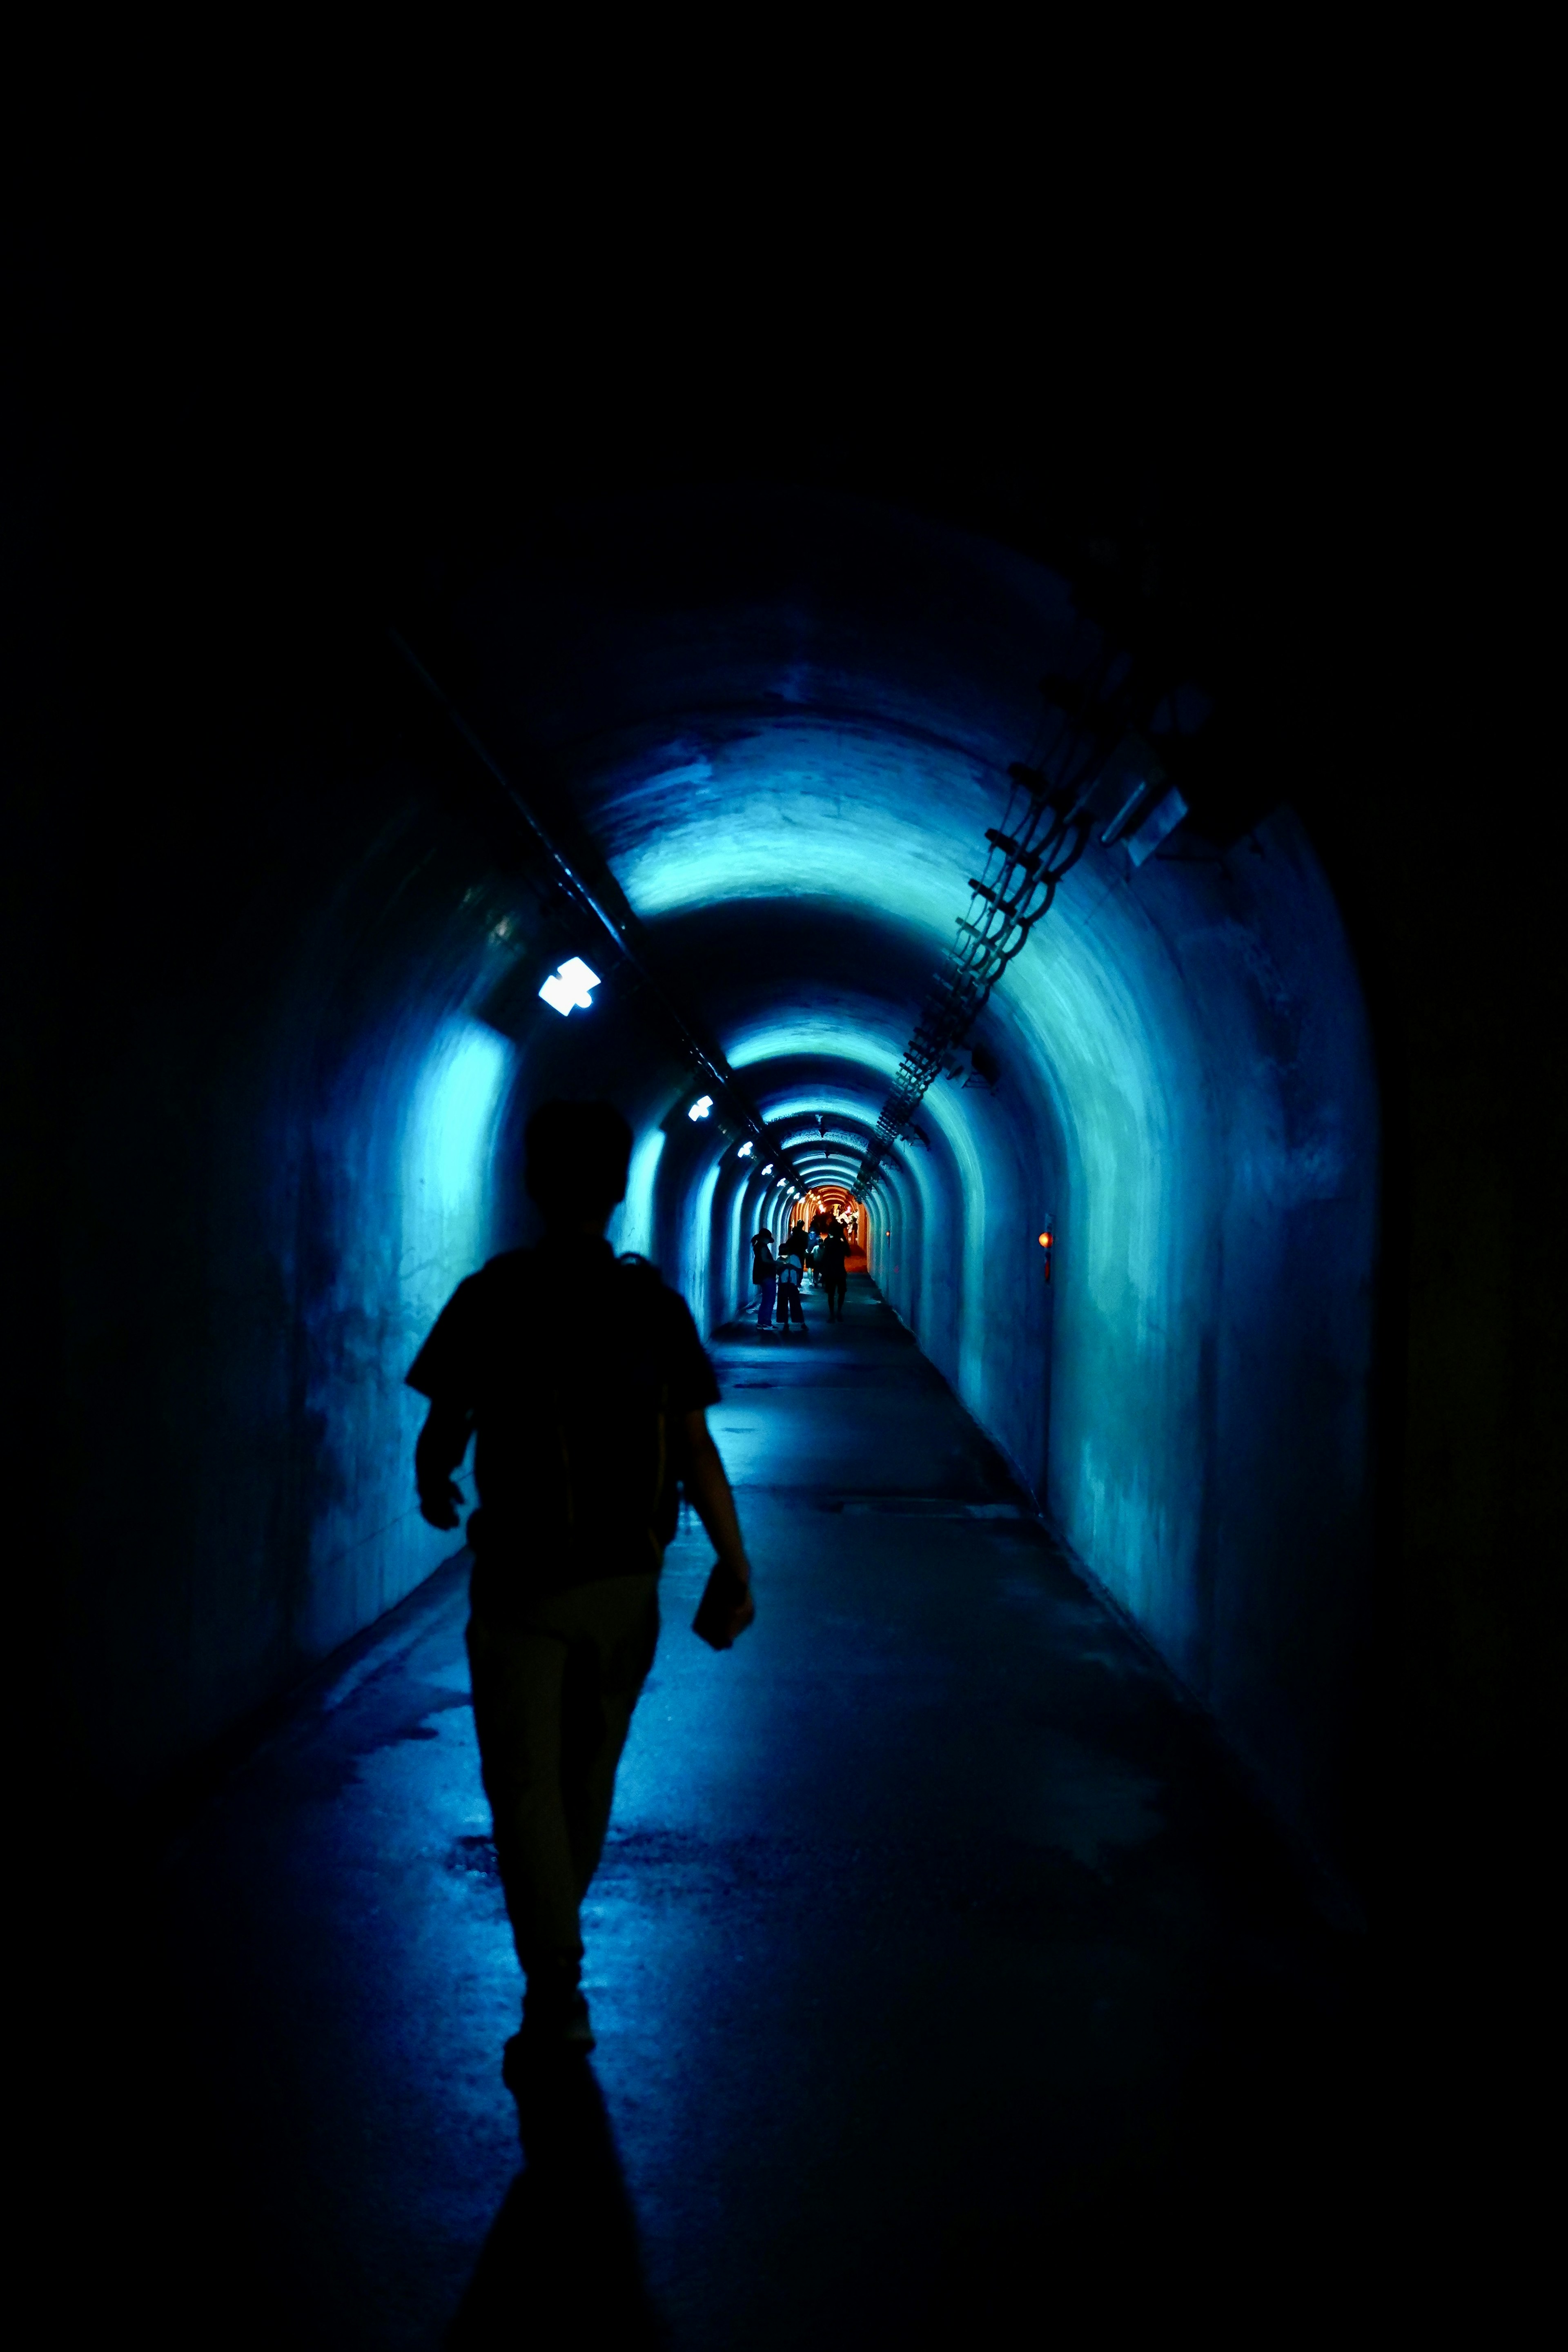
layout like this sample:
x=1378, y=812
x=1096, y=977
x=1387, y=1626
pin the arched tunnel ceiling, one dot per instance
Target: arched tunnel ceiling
x=785, y=723
x=808, y=1141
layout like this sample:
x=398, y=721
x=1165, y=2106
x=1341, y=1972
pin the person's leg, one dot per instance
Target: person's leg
x=517, y=1677
x=614, y=1626
x=765, y=1307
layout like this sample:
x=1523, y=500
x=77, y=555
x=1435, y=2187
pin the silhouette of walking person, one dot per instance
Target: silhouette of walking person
x=583, y=1380
x=764, y=1277
x=791, y=1267
x=832, y=1253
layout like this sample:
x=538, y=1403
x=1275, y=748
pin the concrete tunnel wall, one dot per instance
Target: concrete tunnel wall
x=786, y=733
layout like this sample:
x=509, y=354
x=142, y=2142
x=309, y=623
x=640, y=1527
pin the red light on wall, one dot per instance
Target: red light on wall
x=1046, y=1239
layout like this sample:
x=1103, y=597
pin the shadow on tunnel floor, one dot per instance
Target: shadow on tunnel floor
x=1315, y=2159
x=1277, y=2196
x=562, y=2265
x=866, y=2090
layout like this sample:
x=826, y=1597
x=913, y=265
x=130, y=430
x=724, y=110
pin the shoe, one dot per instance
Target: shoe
x=551, y=2031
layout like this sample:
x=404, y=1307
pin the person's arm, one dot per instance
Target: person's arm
x=708, y=1490
x=443, y=1442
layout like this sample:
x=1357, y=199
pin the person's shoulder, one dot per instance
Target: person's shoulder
x=501, y=1284
x=644, y=1282
x=506, y=1271
x=661, y=1296
x=639, y=1268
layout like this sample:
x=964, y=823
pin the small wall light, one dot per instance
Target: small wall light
x=572, y=985
x=1046, y=1239
x=700, y=1107
x=745, y=1153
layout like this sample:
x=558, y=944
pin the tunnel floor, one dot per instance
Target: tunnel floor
x=942, y=1967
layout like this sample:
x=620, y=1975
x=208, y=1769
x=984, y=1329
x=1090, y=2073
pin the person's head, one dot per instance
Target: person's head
x=763, y=1234
x=578, y=1153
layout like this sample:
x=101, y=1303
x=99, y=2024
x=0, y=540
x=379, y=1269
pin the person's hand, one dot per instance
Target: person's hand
x=440, y=1509
x=726, y=1608
x=740, y=1618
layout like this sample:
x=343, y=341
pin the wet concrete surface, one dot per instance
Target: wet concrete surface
x=948, y=1987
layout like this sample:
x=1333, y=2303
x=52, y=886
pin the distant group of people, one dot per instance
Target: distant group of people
x=778, y=1276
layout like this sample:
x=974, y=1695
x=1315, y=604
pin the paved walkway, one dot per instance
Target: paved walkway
x=941, y=1969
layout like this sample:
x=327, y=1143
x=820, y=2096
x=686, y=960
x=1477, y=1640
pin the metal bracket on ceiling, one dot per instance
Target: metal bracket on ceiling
x=1091, y=752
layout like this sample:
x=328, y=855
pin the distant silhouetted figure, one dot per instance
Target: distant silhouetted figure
x=832, y=1258
x=765, y=1277
x=790, y=1269
x=797, y=1244
x=585, y=1384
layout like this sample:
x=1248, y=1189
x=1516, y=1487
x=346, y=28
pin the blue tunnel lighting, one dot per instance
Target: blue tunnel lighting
x=1111, y=1054
x=790, y=801
x=446, y=1148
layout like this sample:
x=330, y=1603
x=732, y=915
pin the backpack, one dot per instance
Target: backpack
x=763, y=1266
x=576, y=1459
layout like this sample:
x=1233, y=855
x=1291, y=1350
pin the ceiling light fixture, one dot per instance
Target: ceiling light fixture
x=571, y=986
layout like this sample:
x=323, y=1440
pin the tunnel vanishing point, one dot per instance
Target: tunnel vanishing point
x=743, y=747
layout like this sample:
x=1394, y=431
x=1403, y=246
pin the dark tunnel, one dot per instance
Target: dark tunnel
x=1168, y=1231
x=790, y=805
